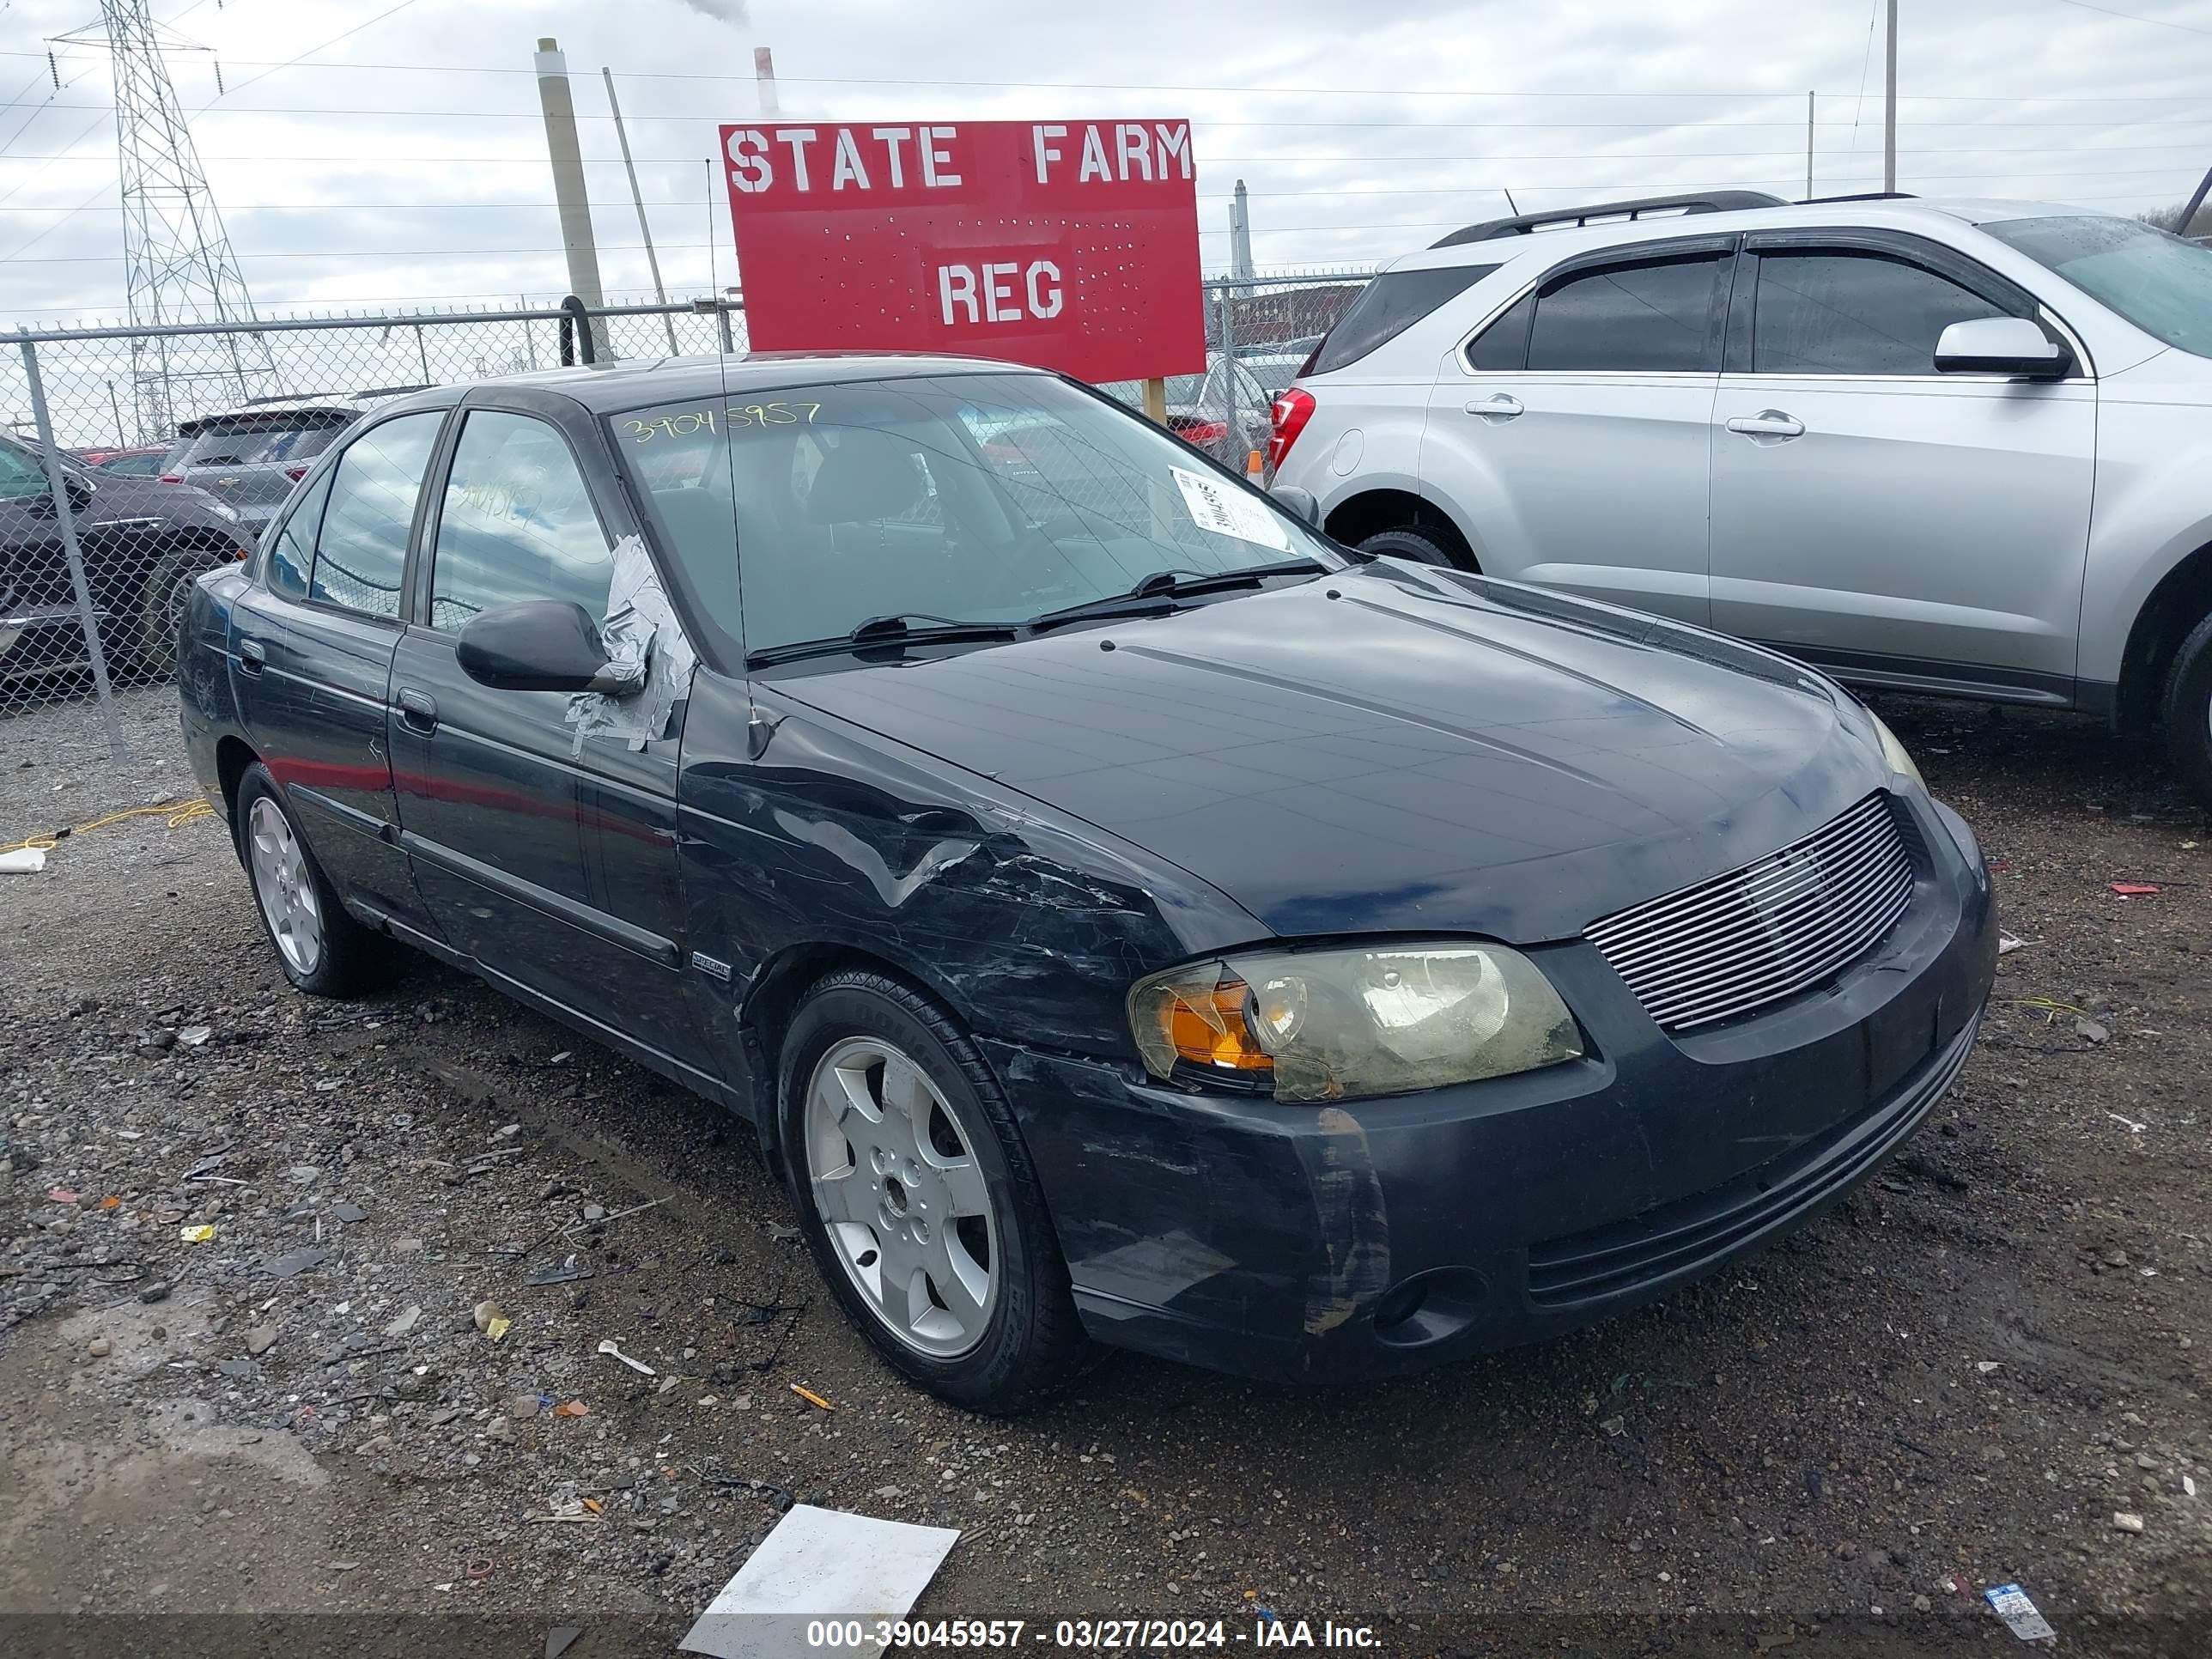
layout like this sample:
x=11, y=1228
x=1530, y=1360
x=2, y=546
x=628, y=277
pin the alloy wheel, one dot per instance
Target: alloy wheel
x=284, y=886
x=904, y=1203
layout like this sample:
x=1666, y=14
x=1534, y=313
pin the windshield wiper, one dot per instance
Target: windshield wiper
x=896, y=630
x=1155, y=594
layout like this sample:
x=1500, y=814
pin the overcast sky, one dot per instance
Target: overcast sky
x=405, y=163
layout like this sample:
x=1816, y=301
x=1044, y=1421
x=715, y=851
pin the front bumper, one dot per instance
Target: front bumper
x=1380, y=1235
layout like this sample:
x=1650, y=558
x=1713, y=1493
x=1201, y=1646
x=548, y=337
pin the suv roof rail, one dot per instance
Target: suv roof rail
x=1710, y=201
x=1862, y=196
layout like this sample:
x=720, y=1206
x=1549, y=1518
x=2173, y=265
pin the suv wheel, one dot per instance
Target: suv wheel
x=2188, y=711
x=322, y=949
x=1414, y=545
x=917, y=1198
x=163, y=601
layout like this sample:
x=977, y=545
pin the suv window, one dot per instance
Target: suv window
x=292, y=554
x=1656, y=315
x=1387, y=307
x=1854, y=314
x=517, y=522
x=21, y=476
x=254, y=440
x=362, y=547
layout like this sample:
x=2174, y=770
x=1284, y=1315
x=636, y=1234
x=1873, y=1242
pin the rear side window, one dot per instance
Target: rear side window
x=1854, y=314
x=292, y=554
x=1654, y=316
x=1387, y=307
x=23, y=477
x=362, y=547
x=1504, y=344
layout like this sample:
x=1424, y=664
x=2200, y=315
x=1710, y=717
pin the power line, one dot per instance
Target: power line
x=2132, y=17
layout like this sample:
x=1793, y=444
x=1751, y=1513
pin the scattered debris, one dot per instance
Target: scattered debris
x=479, y=1568
x=2090, y=1030
x=405, y=1322
x=572, y=1408
x=2007, y=944
x=60, y=1196
x=2188, y=1486
x=22, y=861
x=2133, y=1126
x=201, y=1233
x=559, y=1639
x=2010, y=1603
x=1615, y=1427
x=1985, y=1366
x=607, y=1346
x=559, y=1272
x=2134, y=889
x=193, y=1037
x=491, y=1319
x=2126, y=1521
x=348, y=1212
x=293, y=1263
x=812, y=1398
x=819, y=1564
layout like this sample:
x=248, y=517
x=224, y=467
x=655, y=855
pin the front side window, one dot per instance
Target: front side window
x=362, y=549
x=2159, y=283
x=987, y=498
x=1655, y=316
x=517, y=522
x=1854, y=314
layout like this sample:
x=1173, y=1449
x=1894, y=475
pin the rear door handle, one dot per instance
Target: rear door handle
x=1499, y=406
x=251, y=657
x=1768, y=423
x=419, y=710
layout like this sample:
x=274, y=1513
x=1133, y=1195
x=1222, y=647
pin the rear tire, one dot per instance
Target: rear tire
x=163, y=602
x=321, y=949
x=1417, y=545
x=2187, y=709
x=940, y=1249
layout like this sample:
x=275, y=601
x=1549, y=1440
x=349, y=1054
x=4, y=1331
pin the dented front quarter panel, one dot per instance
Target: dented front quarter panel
x=1021, y=920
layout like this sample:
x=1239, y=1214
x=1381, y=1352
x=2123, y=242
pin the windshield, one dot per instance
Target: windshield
x=985, y=498
x=2160, y=283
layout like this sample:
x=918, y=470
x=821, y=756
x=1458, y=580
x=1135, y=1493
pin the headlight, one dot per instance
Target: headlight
x=223, y=510
x=1895, y=753
x=1338, y=1024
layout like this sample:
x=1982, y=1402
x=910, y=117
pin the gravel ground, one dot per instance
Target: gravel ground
x=1987, y=1368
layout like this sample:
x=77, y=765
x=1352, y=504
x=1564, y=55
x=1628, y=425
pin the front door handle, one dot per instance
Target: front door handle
x=1499, y=406
x=419, y=710
x=1768, y=423
x=251, y=657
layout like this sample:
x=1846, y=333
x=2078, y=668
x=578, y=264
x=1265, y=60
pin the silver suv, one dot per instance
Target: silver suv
x=1954, y=446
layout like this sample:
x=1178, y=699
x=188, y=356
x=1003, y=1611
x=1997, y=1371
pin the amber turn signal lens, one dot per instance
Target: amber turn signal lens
x=1208, y=1027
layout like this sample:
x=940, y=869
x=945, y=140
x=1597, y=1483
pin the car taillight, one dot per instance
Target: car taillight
x=1203, y=432
x=173, y=478
x=1289, y=414
x=296, y=473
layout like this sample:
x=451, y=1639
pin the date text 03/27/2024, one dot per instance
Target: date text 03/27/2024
x=1089, y=1635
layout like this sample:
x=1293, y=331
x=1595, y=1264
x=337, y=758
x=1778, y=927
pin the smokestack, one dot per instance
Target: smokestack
x=1240, y=233
x=765, y=78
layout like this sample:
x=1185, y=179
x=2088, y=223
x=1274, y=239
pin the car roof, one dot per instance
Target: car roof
x=628, y=382
x=1920, y=213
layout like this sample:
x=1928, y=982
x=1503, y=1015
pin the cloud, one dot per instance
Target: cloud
x=722, y=11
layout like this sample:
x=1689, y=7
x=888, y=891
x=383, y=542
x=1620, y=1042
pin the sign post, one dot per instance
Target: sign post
x=1069, y=245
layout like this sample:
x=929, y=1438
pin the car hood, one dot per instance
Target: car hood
x=1396, y=750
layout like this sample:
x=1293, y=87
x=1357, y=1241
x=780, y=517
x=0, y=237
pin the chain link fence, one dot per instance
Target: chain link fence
x=133, y=461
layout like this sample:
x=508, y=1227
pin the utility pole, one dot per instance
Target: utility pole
x=644, y=230
x=1809, y=97
x=568, y=191
x=1889, y=109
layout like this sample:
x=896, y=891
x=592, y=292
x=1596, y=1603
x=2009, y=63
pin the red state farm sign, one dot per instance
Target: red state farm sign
x=1072, y=244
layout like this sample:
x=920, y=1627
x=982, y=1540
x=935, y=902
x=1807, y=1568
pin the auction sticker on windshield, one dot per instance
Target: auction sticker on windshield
x=1221, y=507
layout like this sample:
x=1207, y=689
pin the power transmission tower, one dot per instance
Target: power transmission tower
x=178, y=259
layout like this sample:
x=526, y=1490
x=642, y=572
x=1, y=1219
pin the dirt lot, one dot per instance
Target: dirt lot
x=1957, y=1381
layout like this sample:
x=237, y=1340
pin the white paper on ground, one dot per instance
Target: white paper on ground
x=820, y=1564
x=23, y=861
x=1216, y=504
x=2010, y=1603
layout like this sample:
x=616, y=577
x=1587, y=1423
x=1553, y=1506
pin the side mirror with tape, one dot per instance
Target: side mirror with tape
x=534, y=645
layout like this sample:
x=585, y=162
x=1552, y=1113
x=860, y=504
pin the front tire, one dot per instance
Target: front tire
x=918, y=1200
x=164, y=600
x=2188, y=711
x=322, y=949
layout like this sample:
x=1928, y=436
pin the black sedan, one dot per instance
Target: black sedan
x=1123, y=914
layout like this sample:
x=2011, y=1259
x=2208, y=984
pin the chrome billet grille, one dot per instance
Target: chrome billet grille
x=1766, y=931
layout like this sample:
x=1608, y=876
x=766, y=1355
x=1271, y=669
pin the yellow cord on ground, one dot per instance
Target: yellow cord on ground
x=178, y=812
